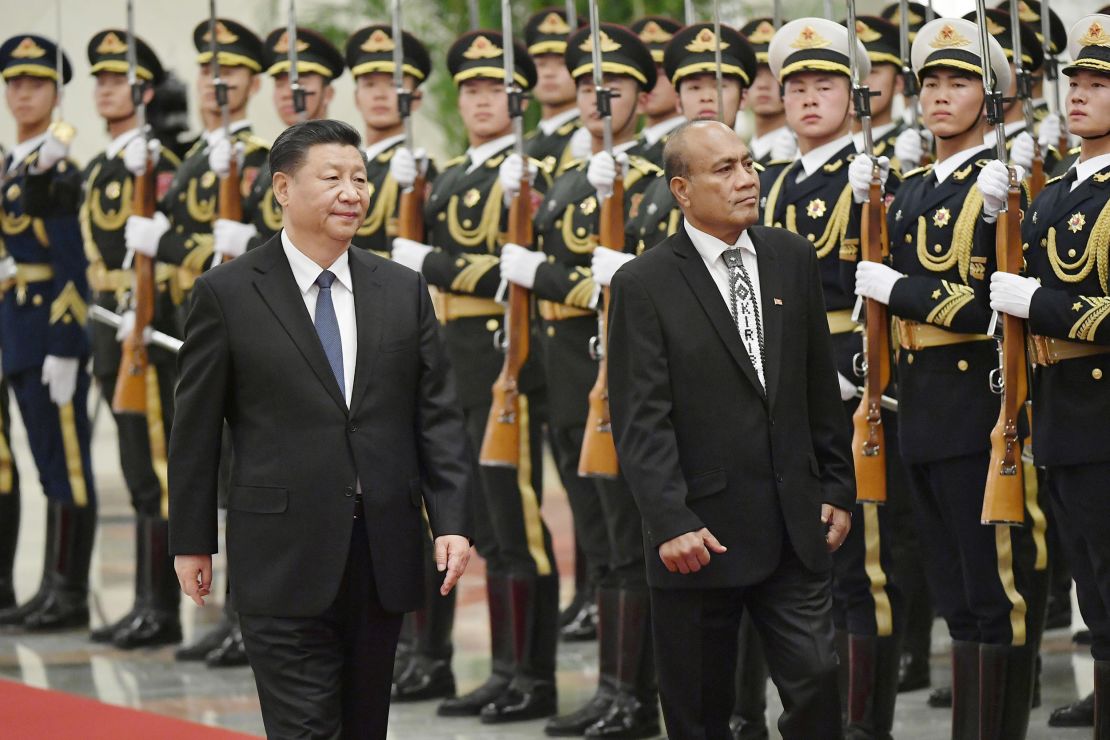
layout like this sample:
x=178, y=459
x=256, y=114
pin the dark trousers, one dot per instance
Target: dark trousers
x=695, y=633
x=328, y=676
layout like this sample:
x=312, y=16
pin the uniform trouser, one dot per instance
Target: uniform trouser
x=1082, y=511
x=9, y=501
x=590, y=534
x=143, y=440
x=59, y=437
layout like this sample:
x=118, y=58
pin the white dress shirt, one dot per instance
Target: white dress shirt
x=233, y=128
x=652, y=134
x=761, y=145
x=377, y=148
x=22, y=149
x=814, y=159
x=711, y=250
x=1088, y=167
x=479, y=154
x=116, y=145
x=305, y=272
x=550, y=125
x=877, y=134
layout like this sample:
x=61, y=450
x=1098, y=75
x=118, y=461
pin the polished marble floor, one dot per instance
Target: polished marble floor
x=150, y=680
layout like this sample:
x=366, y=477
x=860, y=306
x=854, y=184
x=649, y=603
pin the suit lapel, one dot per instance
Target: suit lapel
x=279, y=290
x=705, y=290
x=369, y=320
x=770, y=288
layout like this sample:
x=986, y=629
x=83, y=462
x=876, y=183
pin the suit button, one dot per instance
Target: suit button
x=353, y=428
x=778, y=478
x=1096, y=373
x=349, y=491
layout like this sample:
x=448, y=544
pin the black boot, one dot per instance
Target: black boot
x=231, y=653
x=578, y=622
x=1102, y=696
x=994, y=664
x=106, y=632
x=575, y=723
x=66, y=605
x=1077, y=714
x=965, y=690
x=534, y=603
x=501, y=650
x=14, y=616
x=872, y=687
x=843, y=653
x=940, y=698
x=430, y=675
x=9, y=538
x=635, y=711
x=749, y=712
x=913, y=672
x=157, y=623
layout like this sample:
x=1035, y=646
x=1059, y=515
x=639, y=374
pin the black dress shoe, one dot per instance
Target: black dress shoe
x=520, y=703
x=15, y=616
x=1076, y=714
x=470, y=704
x=149, y=628
x=628, y=717
x=1059, y=613
x=61, y=610
x=913, y=673
x=582, y=627
x=106, y=632
x=428, y=679
x=230, y=654
x=575, y=723
x=1082, y=637
x=940, y=698
x=200, y=649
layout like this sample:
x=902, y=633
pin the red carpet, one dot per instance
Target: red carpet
x=31, y=714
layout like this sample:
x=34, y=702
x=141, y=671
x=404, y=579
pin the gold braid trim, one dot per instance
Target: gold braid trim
x=479, y=264
x=110, y=220
x=201, y=253
x=1096, y=253
x=583, y=291
x=272, y=215
x=92, y=252
x=39, y=227
x=6, y=466
x=71, y=444
x=836, y=226
x=384, y=206
x=577, y=244
x=963, y=238
x=773, y=198
x=958, y=296
x=156, y=433
x=204, y=211
x=69, y=301
x=13, y=225
x=1085, y=328
x=488, y=227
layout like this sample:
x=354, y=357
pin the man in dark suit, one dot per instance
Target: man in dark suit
x=731, y=434
x=325, y=362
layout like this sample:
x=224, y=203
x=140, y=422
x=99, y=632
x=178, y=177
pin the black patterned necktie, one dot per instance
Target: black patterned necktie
x=745, y=307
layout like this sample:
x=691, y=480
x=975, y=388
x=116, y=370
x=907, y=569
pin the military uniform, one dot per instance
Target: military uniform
x=42, y=316
x=656, y=31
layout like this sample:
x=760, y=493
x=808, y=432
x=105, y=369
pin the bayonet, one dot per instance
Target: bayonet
x=299, y=106
x=404, y=95
x=690, y=15
x=219, y=87
x=572, y=15
x=717, y=59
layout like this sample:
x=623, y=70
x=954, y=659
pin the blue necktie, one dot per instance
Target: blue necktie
x=327, y=327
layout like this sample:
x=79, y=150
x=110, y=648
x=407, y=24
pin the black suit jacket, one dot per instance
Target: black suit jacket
x=252, y=357
x=700, y=441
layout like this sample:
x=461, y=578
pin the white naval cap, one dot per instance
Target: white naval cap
x=1089, y=45
x=814, y=45
x=954, y=42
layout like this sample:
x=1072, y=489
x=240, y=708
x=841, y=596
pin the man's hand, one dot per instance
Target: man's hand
x=194, y=574
x=859, y=175
x=1012, y=294
x=1049, y=134
x=519, y=265
x=406, y=165
x=59, y=375
x=994, y=183
x=511, y=173
x=139, y=152
x=909, y=148
x=784, y=147
x=409, y=253
x=142, y=234
x=876, y=281
x=605, y=262
x=230, y=238
x=1022, y=150
x=219, y=155
x=689, y=552
x=839, y=522
x=51, y=151
x=452, y=555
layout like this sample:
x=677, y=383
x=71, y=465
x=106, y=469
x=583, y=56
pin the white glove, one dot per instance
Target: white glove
x=406, y=165
x=511, y=173
x=581, y=143
x=1049, y=134
x=519, y=265
x=127, y=325
x=409, y=253
x=847, y=388
x=7, y=269
x=784, y=146
x=1021, y=151
x=605, y=262
x=142, y=234
x=138, y=152
x=1012, y=294
x=994, y=183
x=51, y=151
x=859, y=175
x=60, y=374
x=231, y=237
x=876, y=281
x=909, y=148
x=219, y=155
x=602, y=172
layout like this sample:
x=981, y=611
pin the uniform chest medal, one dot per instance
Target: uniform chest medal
x=112, y=190
x=942, y=217
x=471, y=198
x=589, y=205
x=816, y=208
x=1076, y=223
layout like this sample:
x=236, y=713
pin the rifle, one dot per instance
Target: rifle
x=131, y=391
x=868, y=435
x=572, y=14
x=1004, y=497
x=909, y=80
x=717, y=59
x=1024, y=93
x=410, y=215
x=501, y=442
x=62, y=131
x=598, y=458
x=1052, y=74
x=690, y=15
x=299, y=106
x=230, y=196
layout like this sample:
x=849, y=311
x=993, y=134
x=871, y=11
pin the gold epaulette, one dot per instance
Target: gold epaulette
x=197, y=146
x=645, y=166
x=545, y=165
x=758, y=167
x=455, y=161
x=574, y=164
x=528, y=136
x=495, y=161
x=981, y=163
x=918, y=171
x=254, y=142
x=1051, y=180
x=1075, y=150
x=170, y=157
x=777, y=162
x=567, y=127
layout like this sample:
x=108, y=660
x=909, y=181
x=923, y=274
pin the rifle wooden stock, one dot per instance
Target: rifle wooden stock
x=1036, y=175
x=598, y=458
x=410, y=213
x=130, y=394
x=868, y=437
x=501, y=442
x=1063, y=145
x=231, y=198
x=1004, y=498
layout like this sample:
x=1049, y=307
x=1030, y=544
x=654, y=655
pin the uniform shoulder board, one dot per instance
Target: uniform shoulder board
x=981, y=163
x=1075, y=150
x=834, y=166
x=758, y=167
x=197, y=146
x=779, y=162
x=455, y=161
x=170, y=157
x=531, y=134
x=573, y=164
x=547, y=164
x=645, y=166
x=1054, y=179
x=496, y=161
x=255, y=142
x=567, y=127
x=918, y=171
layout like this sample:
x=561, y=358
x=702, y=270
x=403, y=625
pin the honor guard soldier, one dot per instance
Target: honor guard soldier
x=42, y=326
x=463, y=220
x=319, y=63
x=911, y=146
x=660, y=104
x=369, y=54
x=108, y=195
x=607, y=522
x=772, y=140
x=1065, y=300
x=545, y=33
x=690, y=63
x=942, y=250
x=180, y=233
x=814, y=197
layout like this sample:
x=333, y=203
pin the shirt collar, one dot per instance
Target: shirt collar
x=877, y=134
x=23, y=149
x=813, y=159
x=305, y=271
x=1088, y=167
x=479, y=154
x=374, y=150
x=652, y=134
x=117, y=145
x=761, y=145
x=711, y=248
x=946, y=167
x=549, y=125
x=1011, y=128
x=233, y=128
